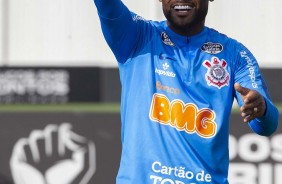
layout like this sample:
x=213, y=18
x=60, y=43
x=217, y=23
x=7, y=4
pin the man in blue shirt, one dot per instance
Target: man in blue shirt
x=179, y=79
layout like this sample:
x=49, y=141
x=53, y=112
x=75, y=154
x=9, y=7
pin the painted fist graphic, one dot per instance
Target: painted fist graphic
x=55, y=155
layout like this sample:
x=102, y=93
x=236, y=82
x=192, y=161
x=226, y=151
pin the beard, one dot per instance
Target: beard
x=183, y=23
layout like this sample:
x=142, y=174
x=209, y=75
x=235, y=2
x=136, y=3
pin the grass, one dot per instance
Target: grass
x=75, y=107
x=69, y=107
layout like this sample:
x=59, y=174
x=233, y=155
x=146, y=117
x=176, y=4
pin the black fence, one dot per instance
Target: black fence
x=80, y=84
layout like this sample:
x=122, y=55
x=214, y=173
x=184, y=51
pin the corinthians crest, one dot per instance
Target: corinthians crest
x=217, y=75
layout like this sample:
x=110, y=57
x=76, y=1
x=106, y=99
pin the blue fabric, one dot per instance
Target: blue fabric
x=177, y=95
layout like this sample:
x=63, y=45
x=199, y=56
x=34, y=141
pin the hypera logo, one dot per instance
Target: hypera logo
x=164, y=71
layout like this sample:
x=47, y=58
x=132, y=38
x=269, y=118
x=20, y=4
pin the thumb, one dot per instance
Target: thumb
x=243, y=91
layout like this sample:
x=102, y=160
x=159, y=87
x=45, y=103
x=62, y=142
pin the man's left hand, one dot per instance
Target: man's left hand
x=254, y=103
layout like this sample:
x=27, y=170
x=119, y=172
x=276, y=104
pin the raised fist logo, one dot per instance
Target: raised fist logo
x=55, y=155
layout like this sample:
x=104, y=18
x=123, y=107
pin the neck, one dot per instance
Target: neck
x=187, y=30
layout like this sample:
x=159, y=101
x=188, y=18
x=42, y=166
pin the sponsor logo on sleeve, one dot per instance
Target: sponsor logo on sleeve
x=250, y=67
x=212, y=48
x=217, y=74
x=138, y=18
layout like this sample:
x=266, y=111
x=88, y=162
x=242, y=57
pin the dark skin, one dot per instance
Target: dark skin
x=188, y=21
x=187, y=18
x=252, y=99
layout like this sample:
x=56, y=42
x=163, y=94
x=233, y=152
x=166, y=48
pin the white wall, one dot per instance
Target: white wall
x=60, y=32
x=257, y=24
x=1, y=32
x=67, y=32
x=56, y=32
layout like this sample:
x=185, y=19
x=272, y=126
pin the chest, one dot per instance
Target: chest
x=193, y=66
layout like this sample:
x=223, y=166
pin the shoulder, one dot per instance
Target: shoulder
x=148, y=28
x=229, y=43
x=157, y=25
x=214, y=34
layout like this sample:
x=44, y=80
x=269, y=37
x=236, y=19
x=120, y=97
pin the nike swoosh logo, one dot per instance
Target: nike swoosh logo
x=166, y=57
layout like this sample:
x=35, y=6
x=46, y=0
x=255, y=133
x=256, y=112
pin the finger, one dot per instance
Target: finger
x=253, y=97
x=253, y=113
x=249, y=118
x=256, y=103
x=63, y=137
x=51, y=139
x=89, y=165
x=246, y=113
x=243, y=91
x=73, y=141
x=41, y=147
x=35, y=135
x=19, y=154
x=69, y=141
x=251, y=105
x=28, y=154
x=77, y=141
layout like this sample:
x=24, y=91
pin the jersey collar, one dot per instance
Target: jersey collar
x=179, y=40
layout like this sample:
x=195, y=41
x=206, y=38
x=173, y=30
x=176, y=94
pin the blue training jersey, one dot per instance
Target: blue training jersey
x=177, y=95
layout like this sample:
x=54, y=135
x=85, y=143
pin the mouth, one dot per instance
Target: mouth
x=182, y=8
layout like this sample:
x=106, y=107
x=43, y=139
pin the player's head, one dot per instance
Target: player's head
x=184, y=16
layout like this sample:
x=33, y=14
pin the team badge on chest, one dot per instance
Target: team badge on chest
x=217, y=74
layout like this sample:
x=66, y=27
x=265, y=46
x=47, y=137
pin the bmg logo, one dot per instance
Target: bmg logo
x=55, y=155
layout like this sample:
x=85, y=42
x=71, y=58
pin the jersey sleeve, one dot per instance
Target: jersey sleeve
x=247, y=74
x=120, y=27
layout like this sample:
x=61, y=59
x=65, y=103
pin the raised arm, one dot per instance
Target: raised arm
x=109, y=9
x=120, y=30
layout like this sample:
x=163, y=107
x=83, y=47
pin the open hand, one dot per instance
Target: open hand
x=254, y=103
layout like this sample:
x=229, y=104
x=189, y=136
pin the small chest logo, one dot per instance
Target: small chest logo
x=212, y=48
x=166, y=40
x=165, y=71
x=217, y=74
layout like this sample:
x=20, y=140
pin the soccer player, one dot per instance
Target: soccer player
x=179, y=79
